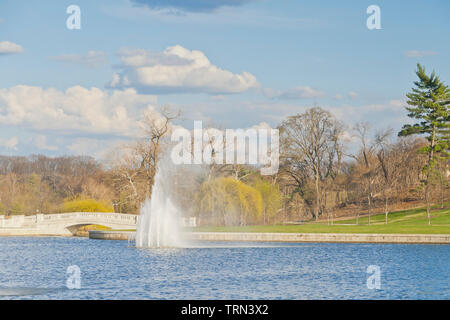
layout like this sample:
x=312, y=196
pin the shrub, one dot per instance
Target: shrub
x=17, y=208
x=86, y=205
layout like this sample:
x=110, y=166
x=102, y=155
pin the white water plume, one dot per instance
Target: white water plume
x=159, y=219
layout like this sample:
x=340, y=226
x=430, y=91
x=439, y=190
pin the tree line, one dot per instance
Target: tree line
x=320, y=176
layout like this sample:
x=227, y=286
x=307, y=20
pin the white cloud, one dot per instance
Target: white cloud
x=92, y=59
x=189, y=5
x=41, y=142
x=177, y=69
x=77, y=109
x=352, y=94
x=97, y=148
x=9, y=143
x=218, y=97
x=7, y=47
x=298, y=92
x=419, y=54
x=246, y=16
x=397, y=103
x=262, y=125
x=348, y=137
x=270, y=92
x=83, y=146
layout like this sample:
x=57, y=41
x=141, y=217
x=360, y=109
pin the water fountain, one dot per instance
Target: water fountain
x=159, y=220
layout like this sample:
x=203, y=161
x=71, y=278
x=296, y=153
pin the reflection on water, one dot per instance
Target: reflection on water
x=36, y=268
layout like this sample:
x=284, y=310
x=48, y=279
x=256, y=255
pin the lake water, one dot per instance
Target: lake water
x=36, y=268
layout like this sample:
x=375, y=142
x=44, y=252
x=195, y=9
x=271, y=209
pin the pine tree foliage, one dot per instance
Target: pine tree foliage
x=429, y=104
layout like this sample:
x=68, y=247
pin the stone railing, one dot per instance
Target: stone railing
x=21, y=221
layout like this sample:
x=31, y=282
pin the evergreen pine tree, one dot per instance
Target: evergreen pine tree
x=429, y=104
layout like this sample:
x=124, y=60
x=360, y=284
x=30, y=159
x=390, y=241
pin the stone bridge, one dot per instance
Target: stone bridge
x=63, y=224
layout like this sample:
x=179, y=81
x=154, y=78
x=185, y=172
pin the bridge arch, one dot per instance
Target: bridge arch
x=73, y=228
x=66, y=223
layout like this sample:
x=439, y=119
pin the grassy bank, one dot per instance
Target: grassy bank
x=412, y=221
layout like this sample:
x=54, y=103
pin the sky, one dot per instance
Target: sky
x=229, y=63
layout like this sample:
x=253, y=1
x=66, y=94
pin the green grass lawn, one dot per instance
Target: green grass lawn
x=406, y=221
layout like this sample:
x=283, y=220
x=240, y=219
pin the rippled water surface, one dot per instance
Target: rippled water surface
x=36, y=268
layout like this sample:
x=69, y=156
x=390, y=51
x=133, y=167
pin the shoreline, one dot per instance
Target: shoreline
x=262, y=237
x=324, y=237
x=293, y=237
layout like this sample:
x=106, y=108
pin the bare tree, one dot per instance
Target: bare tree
x=156, y=128
x=388, y=165
x=134, y=166
x=366, y=154
x=310, y=144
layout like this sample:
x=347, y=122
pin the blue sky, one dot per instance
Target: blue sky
x=255, y=61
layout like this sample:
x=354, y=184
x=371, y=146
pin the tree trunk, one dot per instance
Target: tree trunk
x=386, y=211
x=317, y=196
x=357, y=215
x=430, y=162
x=427, y=199
x=442, y=188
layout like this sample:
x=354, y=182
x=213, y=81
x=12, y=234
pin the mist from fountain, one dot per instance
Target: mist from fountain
x=159, y=220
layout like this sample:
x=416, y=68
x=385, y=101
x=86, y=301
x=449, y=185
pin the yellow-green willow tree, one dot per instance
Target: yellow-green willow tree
x=272, y=199
x=228, y=201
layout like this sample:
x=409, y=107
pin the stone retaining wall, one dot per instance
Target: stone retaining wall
x=322, y=237
x=111, y=235
x=293, y=237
